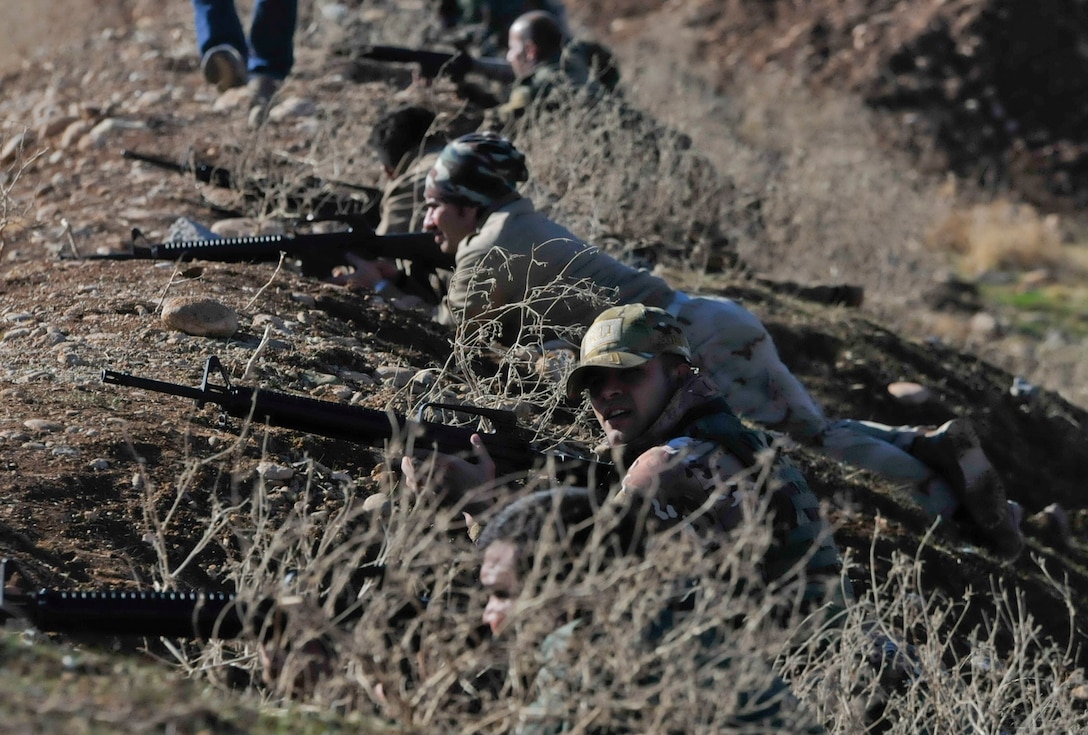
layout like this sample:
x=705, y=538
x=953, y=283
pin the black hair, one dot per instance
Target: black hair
x=400, y=133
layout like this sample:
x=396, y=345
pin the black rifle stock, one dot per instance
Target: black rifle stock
x=318, y=252
x=312, y=197
x=508, y=445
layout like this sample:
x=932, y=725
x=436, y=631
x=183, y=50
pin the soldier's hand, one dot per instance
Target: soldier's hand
x=447, y=475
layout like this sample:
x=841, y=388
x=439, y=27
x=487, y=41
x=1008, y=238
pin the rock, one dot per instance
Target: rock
x=292, y=107
x=101, y=133
x=44, y=425
x=395, y=375
x=99, y=464
x=246, y=227
x=74, y=133
x=20, y=144
x=376, y=503
x=911, y=394
x=274, y=472
x=184, y=229
x=56, y=126
x=201, y=317
x=984, y=326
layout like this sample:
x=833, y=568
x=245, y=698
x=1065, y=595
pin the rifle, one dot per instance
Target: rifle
x=509, y=445
x=141, y=613
x=113, y=612
x=318, y=252
x=313, y=196
x=433, y=63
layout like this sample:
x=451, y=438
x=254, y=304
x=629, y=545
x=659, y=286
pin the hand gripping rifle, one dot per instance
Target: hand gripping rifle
x=509, y=445
x=318, y=252
x=314, y=197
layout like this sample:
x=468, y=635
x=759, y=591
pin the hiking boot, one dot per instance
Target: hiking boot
x=262, y=88
x=954, y=451
x=224, y=67
x=1051, y=526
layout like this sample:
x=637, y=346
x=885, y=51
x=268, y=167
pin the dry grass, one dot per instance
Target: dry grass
x=407, y=650
x=1000, y=235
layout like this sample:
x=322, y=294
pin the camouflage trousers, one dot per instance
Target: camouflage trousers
x=732, y=346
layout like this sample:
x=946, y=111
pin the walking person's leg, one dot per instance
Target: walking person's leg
x=222, y=43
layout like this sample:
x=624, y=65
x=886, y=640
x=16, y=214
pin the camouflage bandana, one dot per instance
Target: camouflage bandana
x=477, y=170
x=627, y=336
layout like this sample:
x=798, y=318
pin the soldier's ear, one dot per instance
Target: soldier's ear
x=682, y=370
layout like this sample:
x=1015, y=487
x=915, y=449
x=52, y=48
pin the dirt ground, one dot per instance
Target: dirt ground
x=79, y=455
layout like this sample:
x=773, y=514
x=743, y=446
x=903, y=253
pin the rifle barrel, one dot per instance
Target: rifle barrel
x=167, y=614
x=158, y=386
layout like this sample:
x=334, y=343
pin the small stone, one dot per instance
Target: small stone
x=292, y=107
x=99, y=464
x=14, y=334
x=184, y=229
x=70, y=359
x=274, y=472
x=17, y=145
x=911, y=394
x=43, y=425
x=376, y=503
x=65, y=452
x=201, y=317
x=984, y=326
x=247, y=227
x=74, y=133
x=395, y=375
x=303, y=298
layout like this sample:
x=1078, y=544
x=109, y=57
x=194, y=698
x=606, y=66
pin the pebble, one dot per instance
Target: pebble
x=43, y=425
x=65, y=452
x=911, y=394
x=395, y=375
x=292, y=107
x=99, y=464
x=201, y=317
x=14, y=334
x=274, y=472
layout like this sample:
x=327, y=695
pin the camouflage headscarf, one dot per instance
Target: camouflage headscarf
x=477, y=170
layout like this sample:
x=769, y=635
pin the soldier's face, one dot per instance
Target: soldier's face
x=627, y=401
x=519, y=54
x=451, y=223
x=499, y=577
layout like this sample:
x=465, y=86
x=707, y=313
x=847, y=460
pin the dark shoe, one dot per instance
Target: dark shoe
x=954, y=451
x=224, y=67
x=262, y=88
x=1051, y=526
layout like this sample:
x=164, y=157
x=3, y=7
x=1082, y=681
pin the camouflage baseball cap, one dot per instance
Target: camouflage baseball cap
x=627, y=336
x=476, y=170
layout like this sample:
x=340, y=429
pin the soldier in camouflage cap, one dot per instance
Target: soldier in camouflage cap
x=477, y=170
x=685, y=450
x=627, y=336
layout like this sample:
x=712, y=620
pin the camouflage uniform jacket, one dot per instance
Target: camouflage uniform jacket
x=544, y=85
x=402, y=198
x=520, y=269
x=695, y=451
x=705, y=445
x=403, y=212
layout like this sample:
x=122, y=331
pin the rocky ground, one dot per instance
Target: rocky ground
x=81, y=458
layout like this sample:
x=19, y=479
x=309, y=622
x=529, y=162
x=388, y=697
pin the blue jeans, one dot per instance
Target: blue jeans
x=270, y=50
